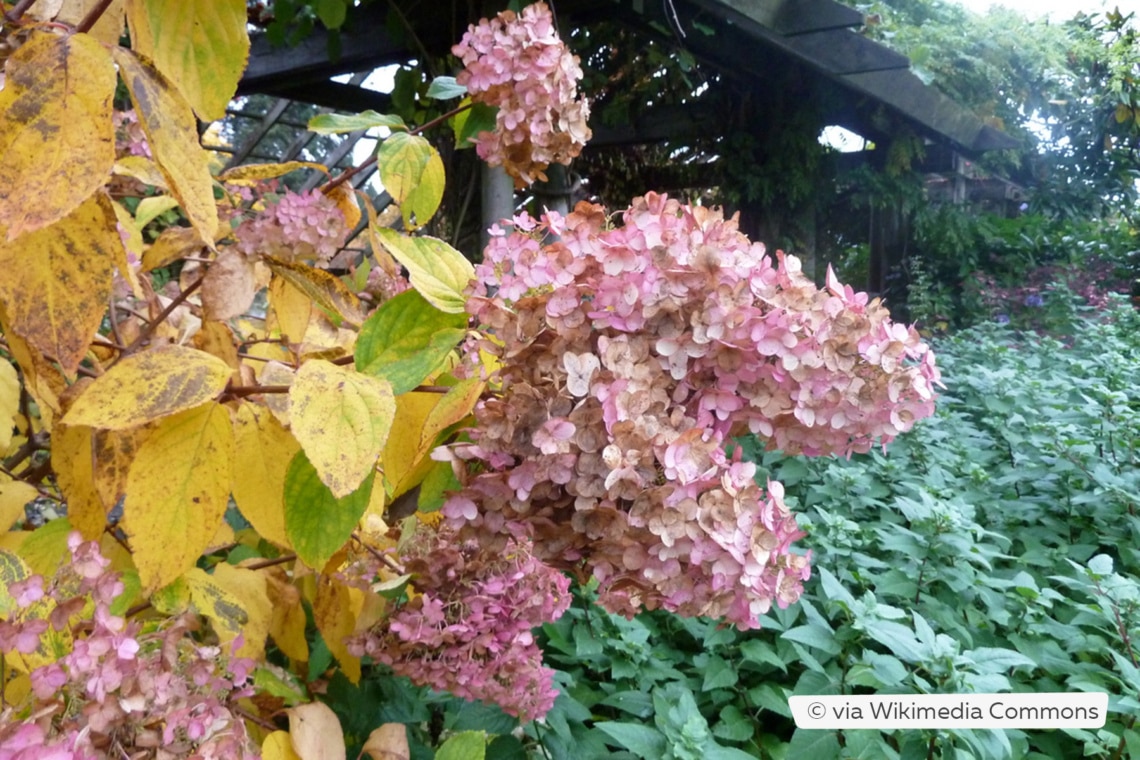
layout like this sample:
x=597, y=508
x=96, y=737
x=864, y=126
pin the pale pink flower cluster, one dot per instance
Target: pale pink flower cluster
x=304, y=227
x=118, y=691
x=130, y=140
x=518, y=64
x=467, y=628
x=630, y=357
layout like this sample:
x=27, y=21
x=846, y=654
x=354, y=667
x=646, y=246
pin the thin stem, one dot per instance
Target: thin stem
x=241, y=391
x=271, y=562
x=384, y=559
x=93, y=16
x=149, y=328
x=18, y=10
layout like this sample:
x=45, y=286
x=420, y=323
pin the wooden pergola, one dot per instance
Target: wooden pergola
x=870, y=88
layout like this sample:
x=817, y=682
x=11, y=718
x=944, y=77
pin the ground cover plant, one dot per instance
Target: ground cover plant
x=257, y=521
x=992, y=549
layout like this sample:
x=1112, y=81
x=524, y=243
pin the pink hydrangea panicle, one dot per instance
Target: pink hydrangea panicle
x=518, y=64
x=307, y=227
x=630, y=356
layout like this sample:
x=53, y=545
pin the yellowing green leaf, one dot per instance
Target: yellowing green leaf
x=172, y=133
x=55, y=282
x=200, y=45
x=456, y=404
x=324, y=289
x=177, y=491
x=466, y=745
x=236, y=602
x=250, y=174
x=334, y=123
x=45, y=549
x=262, y=453
x=341, y=419
x=151, y=207
x=57, y=142
x=412, y=171
x=318, y=523
x=12, y=570
x=9, y=403
x=468, y=123
x=149, y=385
x=315, y=732
x=406, y=339
x=438, y=271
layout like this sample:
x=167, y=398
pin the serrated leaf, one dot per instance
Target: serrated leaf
x=323, y=288
x=437, y=271
x=200, y=45
x=315, y=732
x=172, y=133
x=263, y=451
x=317, y=523
x=466, y=745
x=334, y=123
x=177, y=491
x=57, y=142
x=406, y=339
x=341, y=419
x=411, y=170
x=248, y=175
x=55, y=282
x=149, y=385
x=445, y=88
x=236, y=603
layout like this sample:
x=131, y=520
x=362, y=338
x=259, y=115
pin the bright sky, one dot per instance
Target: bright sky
x=1056, y=10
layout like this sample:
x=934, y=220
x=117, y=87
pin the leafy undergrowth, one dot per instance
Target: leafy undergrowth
x=995, y=549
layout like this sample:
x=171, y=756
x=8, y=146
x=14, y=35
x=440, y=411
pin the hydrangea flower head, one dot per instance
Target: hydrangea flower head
x=518, y=64
x=630, y=356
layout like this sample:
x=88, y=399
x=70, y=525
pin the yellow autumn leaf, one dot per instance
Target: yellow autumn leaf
x=9, y=403
x=177, y=492
x=42, y=380
x=108, y=29
x=115, y=450
x=287, y=625
x=142, y=169
x=172, y=244
x=200, y=45
x=236, y=602
x=291, y=309
x=334, y=612
x=342, y=419
x=278, y=746
x=403, y=459
x=249, y=175
x=13, y=496
x=73, y=460
x=55, y=282
x=323, y=287
x=315, y=732
x=262, y=453
x=344, y=196
x=149, y=385
x=172, y=133
x=437, y=271
x=57, y=142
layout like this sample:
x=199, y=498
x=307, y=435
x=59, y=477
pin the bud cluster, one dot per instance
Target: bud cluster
x=629, y=357
x=517, y=63
x=119, y=690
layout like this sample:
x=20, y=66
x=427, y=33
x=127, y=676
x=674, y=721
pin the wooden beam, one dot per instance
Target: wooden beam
x=785, y=17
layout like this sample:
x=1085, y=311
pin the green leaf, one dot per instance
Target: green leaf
x=734, y=725
x=468, y=124
x=445, y=88
x=718, y=674
x=808, y=744
x=468, y=745
x=899, y=639
x=438, y=271
x=317, y=523
x=331, y=12
x=813, y=636
x=642, y=741
x=998, y=660
x=412, y=171
x=833, y=589
x=406, y=339
x=335, y=123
